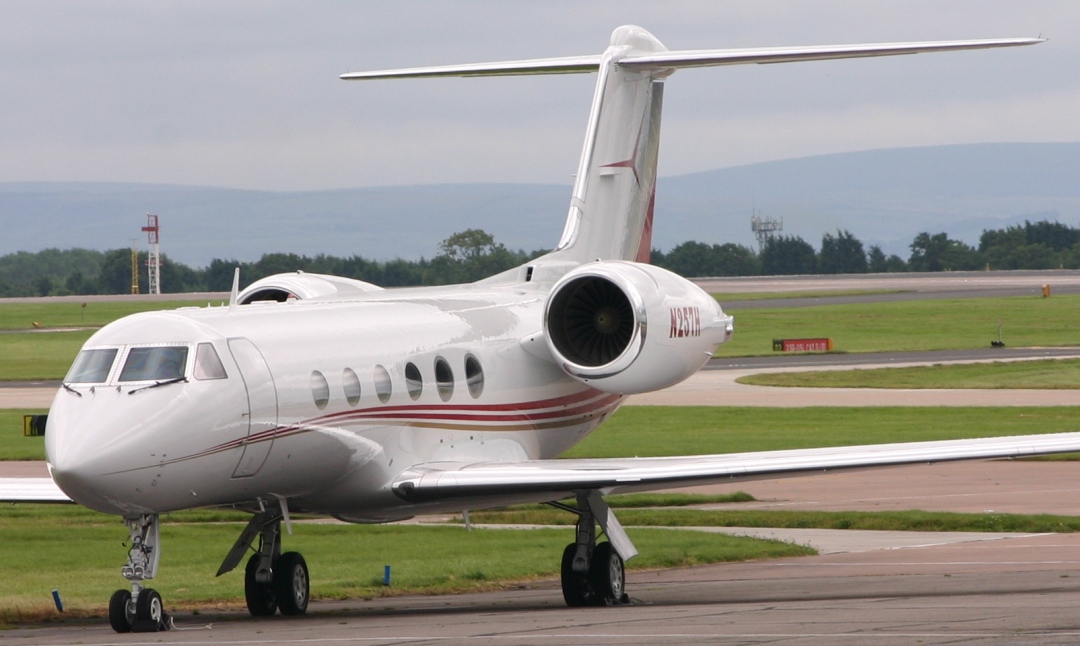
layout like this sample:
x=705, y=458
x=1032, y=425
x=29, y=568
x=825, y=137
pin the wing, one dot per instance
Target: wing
x=539, y=480
x=31, y=490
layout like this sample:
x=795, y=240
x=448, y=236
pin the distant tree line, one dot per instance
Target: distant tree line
x=1038, y=245
x=473, y=254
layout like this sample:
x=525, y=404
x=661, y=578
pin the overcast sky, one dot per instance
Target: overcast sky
x=246, y=94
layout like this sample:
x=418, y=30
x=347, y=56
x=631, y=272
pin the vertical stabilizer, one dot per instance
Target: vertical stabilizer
x=611, y=208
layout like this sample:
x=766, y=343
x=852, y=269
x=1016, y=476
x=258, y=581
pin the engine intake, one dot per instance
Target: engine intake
x=592, y=321
x=597, y=325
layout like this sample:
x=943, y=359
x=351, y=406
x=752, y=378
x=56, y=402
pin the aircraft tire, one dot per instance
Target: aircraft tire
x=149, y=612
x=291, y=584
x=607, y=575
x=260, y=598
x=575, y=586
x=120, y=618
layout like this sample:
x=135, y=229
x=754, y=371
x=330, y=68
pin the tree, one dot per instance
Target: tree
x=468, y=256
x=841, y=254
x=940, y=253
x=114, y=277
x=788, y=255
x=878, y=263
x=695, y=259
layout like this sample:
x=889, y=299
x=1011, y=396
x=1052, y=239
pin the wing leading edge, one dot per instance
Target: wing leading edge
x=31, y=490
x=532, y=480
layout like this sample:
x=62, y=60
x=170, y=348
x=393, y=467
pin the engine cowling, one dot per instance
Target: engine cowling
x=301, y=286
x=625, y=327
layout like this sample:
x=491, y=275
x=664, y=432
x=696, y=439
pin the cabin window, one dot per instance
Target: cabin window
x=320, y=390
x=444, y=379
x=91, y=366
x=383, y=385
x=208, y=364
x=413, y=381
x=351, y=383
x=474, y=376
x=155, y=363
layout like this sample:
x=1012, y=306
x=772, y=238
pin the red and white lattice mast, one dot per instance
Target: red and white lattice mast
x=153, y=261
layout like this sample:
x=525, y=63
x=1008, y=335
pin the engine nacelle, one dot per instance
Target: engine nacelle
x=624, y=327
x=302, y=286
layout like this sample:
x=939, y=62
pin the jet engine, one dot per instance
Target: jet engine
x=302, y=286
x=625, y=327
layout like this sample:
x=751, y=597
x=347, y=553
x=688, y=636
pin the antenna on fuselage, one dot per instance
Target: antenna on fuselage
x=235, y=290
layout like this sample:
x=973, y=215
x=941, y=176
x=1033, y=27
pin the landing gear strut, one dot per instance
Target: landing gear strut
x=272, y=581
x=140, y=610
x=593, y=574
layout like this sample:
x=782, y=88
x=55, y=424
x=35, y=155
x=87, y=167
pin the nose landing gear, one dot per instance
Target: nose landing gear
x=140, y=610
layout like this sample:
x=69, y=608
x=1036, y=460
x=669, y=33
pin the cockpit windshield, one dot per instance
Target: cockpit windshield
x=91, y=366
x=154, y=363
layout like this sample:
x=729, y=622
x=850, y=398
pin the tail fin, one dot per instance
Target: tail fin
x=611, y=209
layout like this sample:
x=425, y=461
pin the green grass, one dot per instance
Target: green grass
x=79, y=552
x=870, y=327
x=22, y=316
x=725, y=297
x=1049, y=374
x=912, y=325
x=897, y=521
x=690, y=430
x=13, y=446
x=31, y=356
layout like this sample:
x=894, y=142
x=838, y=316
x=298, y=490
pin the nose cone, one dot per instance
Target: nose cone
x=83, y=458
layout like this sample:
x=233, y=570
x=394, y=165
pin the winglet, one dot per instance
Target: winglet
x=233, y=300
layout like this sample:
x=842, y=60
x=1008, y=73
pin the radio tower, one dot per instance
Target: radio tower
x=764, y=228
x=153, y=261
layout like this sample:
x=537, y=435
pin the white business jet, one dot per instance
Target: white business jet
x=326, y=395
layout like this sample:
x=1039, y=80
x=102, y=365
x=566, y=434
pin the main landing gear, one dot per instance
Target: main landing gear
x=140, y=610
x=272, y=581
x=593, y=574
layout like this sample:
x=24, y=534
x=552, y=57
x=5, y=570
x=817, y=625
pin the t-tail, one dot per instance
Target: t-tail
x=611, y=208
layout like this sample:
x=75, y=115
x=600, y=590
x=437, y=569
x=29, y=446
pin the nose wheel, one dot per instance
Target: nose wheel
x=140, y=610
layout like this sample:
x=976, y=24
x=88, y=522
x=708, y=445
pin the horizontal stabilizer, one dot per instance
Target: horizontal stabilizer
x=711, y=57
x=560, y=478
x=566, y=65
x=688, y=58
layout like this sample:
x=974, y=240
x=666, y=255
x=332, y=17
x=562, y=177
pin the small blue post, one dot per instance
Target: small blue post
x=386, y=575
x=56, y=600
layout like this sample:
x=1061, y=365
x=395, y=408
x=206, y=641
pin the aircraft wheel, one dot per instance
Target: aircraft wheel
x=291, y=587
x=575, y=586
x=606, y=575
x=121, y=612
x=260, y=598
x=149, y=613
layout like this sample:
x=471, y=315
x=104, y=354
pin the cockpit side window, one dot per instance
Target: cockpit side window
x=91, y=366
x=208, y=364
x=155, y=363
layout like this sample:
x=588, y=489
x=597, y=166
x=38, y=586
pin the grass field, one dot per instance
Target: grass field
x=79, y=552
x=874, y=327
x=690, y=430
x=22, y=316
x=1057, y=374
x=912, y=325
x=895, y=521
x=696, y=430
